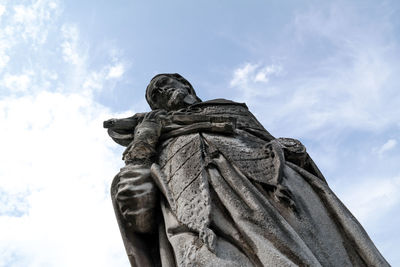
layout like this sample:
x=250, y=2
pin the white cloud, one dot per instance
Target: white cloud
x=263, y=74
x=17, y=83
x=5, y=44
x=252, y=80
x=389, y=145
x=96, y=80
x=359, y=72
x=2, y=10
x=116, y=71
x=242, y=75
x=253, y=73
x=76, y=53
x=70, y=46
x=24, y=14
x=59, y=162
x=338, y=93
x=27, y=23
x=53, y=5
x=4, y=58
x=33, y=20
x=372, y=198
x=351, y=85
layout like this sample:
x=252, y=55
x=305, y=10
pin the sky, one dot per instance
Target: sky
x=323, y=72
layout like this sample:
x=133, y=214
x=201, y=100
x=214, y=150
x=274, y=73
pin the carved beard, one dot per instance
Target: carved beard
x=180, y=99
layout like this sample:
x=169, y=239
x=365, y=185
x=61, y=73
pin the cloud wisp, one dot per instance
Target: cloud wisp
x=389, y=145
x=352, y=84
x=338, y=92
x=57, y=162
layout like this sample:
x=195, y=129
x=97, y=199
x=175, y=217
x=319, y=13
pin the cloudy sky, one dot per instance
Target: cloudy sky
x=323, y=72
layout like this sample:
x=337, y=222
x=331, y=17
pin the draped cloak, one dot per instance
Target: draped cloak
x=240, y=197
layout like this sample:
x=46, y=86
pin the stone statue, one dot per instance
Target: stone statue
x=206, y=185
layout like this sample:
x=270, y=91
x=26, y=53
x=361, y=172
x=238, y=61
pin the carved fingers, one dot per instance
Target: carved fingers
x=146, y=136
x=149, y=130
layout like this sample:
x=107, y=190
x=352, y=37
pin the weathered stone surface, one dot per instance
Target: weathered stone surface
x=206, y=185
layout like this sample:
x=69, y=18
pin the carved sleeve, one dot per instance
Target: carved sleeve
x=137, y=197
x=136, y=192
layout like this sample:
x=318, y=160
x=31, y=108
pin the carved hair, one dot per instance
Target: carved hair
x=153, y=85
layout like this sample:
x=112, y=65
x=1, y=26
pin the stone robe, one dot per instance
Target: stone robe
x=230, y=194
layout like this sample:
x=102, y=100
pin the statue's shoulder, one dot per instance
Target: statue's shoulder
x=219, y=101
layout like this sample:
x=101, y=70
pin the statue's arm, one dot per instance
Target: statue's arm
x=121, y=130
x=136, y=193
x=136, y=197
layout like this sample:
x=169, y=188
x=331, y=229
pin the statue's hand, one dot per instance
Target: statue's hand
x=146, y=137
x=149, y=130
x=137, y=197
x=155, y=116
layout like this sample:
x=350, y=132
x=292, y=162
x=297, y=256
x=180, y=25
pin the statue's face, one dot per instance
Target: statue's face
x=171, y=94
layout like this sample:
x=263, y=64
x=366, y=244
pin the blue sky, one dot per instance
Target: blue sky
x=323, y=72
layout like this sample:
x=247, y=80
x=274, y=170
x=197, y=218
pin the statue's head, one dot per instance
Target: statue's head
x=170, y=91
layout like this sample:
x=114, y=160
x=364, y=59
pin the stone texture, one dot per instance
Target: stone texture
x=206, y=185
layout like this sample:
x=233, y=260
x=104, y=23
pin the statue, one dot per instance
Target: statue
x=206, y=185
